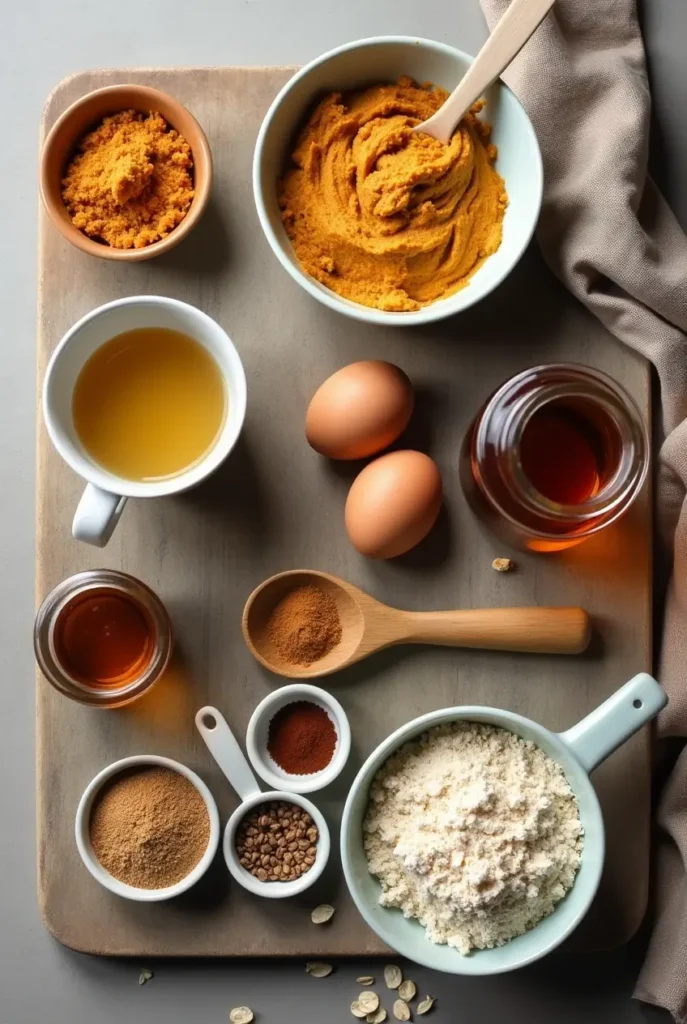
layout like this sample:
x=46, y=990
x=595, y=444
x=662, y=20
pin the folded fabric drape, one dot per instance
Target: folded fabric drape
x=607, y=233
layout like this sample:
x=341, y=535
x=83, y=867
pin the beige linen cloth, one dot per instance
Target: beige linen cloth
x=608, y=234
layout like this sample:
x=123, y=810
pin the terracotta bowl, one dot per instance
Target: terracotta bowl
x=85, y=114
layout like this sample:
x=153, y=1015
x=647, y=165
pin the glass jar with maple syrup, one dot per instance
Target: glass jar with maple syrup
x=102, y=638
x=556, y=454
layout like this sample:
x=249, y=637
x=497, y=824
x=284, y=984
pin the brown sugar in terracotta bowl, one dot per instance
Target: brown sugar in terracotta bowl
x=84, y=115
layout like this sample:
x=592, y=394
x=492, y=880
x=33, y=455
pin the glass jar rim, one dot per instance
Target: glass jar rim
x=58, y=675
x=573, y=381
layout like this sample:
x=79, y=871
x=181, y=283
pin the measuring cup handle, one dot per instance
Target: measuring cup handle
x=614, y=721
x=226, y=751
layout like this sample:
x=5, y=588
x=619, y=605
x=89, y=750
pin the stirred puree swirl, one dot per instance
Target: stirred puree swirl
x=385, y=217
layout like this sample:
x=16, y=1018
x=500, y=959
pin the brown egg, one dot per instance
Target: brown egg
x=359, y=410
x=393, y=503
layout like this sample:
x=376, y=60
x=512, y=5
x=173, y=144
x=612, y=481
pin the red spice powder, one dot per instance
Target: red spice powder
x=301, y=738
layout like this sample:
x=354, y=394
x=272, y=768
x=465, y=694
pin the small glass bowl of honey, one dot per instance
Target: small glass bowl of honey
x=556, y=454
x=102, y=638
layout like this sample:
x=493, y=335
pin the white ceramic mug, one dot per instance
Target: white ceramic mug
x=105, y=496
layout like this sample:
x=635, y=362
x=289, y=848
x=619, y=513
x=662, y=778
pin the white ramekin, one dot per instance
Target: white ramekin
x=258, y=729
x=276, y=890
x=83, y=840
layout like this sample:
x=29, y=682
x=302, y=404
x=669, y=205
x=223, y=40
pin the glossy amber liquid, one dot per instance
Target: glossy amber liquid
x=149, y=404
x=562, y=453
x=104, y=638
x=568, y=451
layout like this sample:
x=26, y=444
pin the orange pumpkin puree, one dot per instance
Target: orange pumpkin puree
x=385, y=217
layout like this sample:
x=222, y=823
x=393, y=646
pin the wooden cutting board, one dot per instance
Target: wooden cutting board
x=275, y=505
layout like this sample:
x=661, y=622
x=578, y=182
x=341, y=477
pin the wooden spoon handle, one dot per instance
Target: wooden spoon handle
x=538, y=630
x=510, y=34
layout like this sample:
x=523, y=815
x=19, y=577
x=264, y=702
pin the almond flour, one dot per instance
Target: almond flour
x=473, y=831
x=149, y=827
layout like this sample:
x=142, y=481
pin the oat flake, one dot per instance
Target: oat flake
x=393, y=975
x=318, y=970
x=407, y=990
x=241, y=1015
x=401, y=1010
x=322, y=914
x=368, y=1001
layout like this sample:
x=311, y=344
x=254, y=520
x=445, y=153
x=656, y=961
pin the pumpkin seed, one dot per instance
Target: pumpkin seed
x=318, y=970
x=393, y=976
x=426, y=1005
x=378, y=1017
x=368, y=1001
x=322, y=914
x=407, y=990
x=357, y=1011
x=401, y=1010
x=241, y=1015
x=144, y=976
x=365, y=979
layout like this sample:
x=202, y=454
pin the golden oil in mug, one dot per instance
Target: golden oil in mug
x=149, y=404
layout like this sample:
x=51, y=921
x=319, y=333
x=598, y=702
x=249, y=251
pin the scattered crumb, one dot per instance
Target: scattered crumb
x=503, y=564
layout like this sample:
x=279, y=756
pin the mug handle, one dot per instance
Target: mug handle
x=614, y=721
x=96, y=516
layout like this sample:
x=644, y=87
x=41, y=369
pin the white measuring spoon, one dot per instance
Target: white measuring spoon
x=226, y=751
x=516, y=26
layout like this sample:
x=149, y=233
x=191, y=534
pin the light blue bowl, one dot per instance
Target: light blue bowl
x=384, y=59
x=578, y=751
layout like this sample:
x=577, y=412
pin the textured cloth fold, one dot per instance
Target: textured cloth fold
x=608, y=234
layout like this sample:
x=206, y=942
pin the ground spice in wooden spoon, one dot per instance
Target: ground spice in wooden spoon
x=304, y=626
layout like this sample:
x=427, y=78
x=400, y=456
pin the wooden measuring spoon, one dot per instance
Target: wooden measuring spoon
x=520, y=20
x=369, y=626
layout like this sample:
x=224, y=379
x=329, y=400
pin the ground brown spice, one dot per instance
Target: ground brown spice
x=149, y=827
x=129, y=183
x=304, y=625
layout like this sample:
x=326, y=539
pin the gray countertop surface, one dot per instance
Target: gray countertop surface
x=41, y=42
